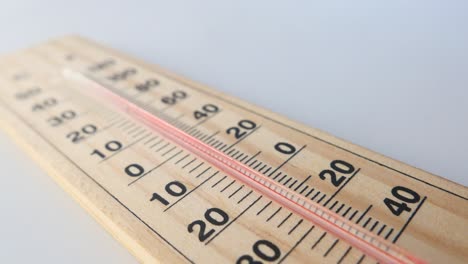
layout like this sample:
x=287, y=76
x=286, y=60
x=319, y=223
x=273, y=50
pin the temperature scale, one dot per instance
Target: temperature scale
x=179, y=172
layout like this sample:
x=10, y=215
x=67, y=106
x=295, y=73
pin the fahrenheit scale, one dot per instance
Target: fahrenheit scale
x=181, y=173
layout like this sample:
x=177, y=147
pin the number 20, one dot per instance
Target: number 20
x=340, y=166
x=214, y=216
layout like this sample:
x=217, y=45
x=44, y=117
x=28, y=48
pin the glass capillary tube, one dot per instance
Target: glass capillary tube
x=368, y=243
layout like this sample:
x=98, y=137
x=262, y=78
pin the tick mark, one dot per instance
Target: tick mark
x=203, y=172
x=273, y=215
x=198, y=166
x=190, y=162
x=330, y=249
x=294, y=228
x=268, y=204
x=229, y=185
x=285, y=219
x=243, y=198
x=236, y=191
x=318, y=241
x=214, y=185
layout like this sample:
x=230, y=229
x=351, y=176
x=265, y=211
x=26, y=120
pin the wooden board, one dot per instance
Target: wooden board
x=167, y=205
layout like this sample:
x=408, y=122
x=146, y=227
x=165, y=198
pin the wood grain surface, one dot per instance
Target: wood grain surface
x=167, y=205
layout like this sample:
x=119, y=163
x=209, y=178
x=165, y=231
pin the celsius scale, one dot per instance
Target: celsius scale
x=179, y=172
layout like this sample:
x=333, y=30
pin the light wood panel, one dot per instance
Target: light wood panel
x=155, y=197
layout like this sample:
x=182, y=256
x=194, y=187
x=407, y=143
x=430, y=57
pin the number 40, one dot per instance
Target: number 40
x=404, y=196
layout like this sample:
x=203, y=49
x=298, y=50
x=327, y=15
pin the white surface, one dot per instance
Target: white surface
x=388, y=75
x=41, y=223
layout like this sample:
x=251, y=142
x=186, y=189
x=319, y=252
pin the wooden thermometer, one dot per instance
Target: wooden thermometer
x=181, y=173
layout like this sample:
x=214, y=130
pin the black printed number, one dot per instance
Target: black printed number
x=110, y=146
x=404, y=196
x=28, y=93
x=134, y=170
x=147, y=85
x=174, y=188
x=240, y=130
x=61, y=118
x=205, y=111
x=264, y=250
x=285, y=148
x=102, y=65
x=122, y=75
x=214, y=216
x=175, y=97
x=337, y=166
x=78, y=136
x=46, y=103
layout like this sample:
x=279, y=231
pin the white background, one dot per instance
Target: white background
x=391, y=76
